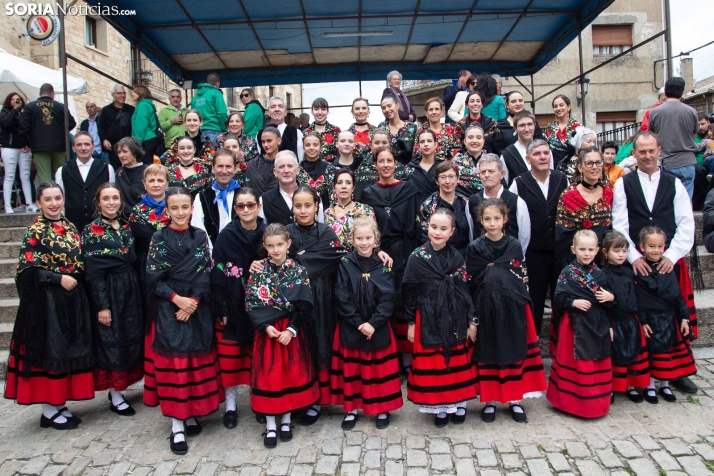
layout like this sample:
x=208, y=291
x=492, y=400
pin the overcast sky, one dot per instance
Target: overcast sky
x=692, y=27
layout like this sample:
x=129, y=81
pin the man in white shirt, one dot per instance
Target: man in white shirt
x=514, y=156
x=291, y=137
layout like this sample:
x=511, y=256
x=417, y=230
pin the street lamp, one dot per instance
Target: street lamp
x=584, y=84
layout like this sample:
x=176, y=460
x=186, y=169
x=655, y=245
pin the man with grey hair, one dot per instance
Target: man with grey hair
x=115, y=123
x=491, y=173
x=277, y=203
x=406, y=112
x=540, y=189
x=497, y=78
x=171, y=118
x=291, y=138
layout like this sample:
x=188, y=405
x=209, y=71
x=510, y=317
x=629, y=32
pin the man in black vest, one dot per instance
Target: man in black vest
x=514, y=156
x=80, y=180
x=652, y=197
x=291, y=136
x=277, y=203
x=213, y=206
x=491, y=173
x=540, y=189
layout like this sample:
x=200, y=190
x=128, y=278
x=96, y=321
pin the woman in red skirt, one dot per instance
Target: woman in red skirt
x=51, y=350
x=279, y=301
x=365, y=369
x=581, y=371
x=180, y=364
x=507, y=355
x=442, y=325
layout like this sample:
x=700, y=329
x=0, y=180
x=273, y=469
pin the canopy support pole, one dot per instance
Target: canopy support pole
x=581, y=79
x=65, y=96
x=532, y=95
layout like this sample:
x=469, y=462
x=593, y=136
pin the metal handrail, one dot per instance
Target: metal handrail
x=619, y=135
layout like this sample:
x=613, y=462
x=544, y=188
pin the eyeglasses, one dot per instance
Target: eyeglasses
x=245, y=95
x=245, y=206
x=592, y=165
x=447, y=178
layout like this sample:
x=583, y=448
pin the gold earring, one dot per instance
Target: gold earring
x=581, y=176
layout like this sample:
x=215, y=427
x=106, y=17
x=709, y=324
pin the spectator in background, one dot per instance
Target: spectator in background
x=114, y=123
x=292, y=120
x=210, y=103
x=701, y=184
x=144, y=122
x=675, y=124
x=12, y=154
x=42, y=129
x=254, y=114
x=646, y=118
x=288, y=133
x=90, y=125
x=493, y=104
x=305, y=121
x=612, y=170
x=457, y=111
x=499, y=83
x=406, y=112
x=708, y=222
x=450, y=92
x=171, y=118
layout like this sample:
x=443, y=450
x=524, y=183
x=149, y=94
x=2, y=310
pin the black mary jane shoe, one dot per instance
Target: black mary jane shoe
x=286, y=432
x=488, y=417
x=349, y=424
x=383, y=423
x=193, y=430
x=441, y=422
x=684, y=384
x=666, y=393
x=307, y=420
x=178, y=447
x=230, y=419
x=650, y=396
x=635, y=396
x=260, y=418
x=128, y=411
x=73, y=417
x=457, y=419
x=271, y=438
x=50, y=422
x=519, y=417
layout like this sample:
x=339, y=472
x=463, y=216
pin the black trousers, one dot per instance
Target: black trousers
x=542, y=277
x=701, y=185
x=149, y=147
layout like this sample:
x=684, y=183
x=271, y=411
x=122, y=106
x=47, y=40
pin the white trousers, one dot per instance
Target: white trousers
x=11, y=159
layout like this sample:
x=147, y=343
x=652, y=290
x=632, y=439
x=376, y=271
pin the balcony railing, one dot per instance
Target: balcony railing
x=619, y=135
x=418, y=84
x=151, y=76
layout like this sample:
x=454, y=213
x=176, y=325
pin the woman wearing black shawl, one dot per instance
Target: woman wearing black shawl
x=421, y=169
x=115, y=299
x=181, y=364
x=260, y=170
x=130, y=176
x=581, y=371
x=507, y=355
x=51, y=349
x=237, y=246
x=442, y=325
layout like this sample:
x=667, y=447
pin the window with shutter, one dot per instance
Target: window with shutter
x=611, y=40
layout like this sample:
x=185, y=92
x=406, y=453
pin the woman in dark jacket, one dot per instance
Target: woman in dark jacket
x=13, y=154
x=130, y=176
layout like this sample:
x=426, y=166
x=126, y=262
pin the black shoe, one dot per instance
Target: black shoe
x=635, y=396
x=383, y=423
x=612, y=397
x=307, y=420
x=230, y=419
x=349, y=424
x=194, y=430
x=457, y=419
x=50, y=422
x=650, y=396
x=178, y=447
x=518, y=417
x=684, y=384
x=128, y=411
x=667, y=394
x=286, y=432
x=488, y=417
x=271, y=439
x=260, y=418
x=73, y=417
x=441, y=422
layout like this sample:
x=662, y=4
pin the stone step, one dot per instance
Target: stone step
x=10, y=250
x=12, y=235
x=8, y=290
x=4, y=354
x=5, y=334
x=8, y=310
x=8, y=268
x=14, y=220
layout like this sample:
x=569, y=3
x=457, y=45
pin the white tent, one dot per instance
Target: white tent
x=25, y=77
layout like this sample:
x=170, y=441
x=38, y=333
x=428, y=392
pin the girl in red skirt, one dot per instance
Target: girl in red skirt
x=442, y=325
x=365, y=367
x=279, y=301
x=630, y=359
x=581, y=371
x=51, y=348
x=665, y=319
x=180, y=364
x=507, y=355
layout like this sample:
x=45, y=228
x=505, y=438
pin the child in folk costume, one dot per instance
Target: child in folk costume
x=365, y=365
x=507, y=355
x=181, y=366
x=442, y=325
x=665, y=319
x=630, y=359
x=279, y=302
x=581, y=371
x=237, y=246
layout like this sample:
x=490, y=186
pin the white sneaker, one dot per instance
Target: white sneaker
x=20, y=209
x=32, y=208
x=9, y=210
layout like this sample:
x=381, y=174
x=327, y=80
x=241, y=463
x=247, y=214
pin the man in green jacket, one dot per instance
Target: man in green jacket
x=171, y=118
x=210, y=103
x=144, y=123
x=254, y=114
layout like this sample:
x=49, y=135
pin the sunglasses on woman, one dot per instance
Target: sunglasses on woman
x=246, y=206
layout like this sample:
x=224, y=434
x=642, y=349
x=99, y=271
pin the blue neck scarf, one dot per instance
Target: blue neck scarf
x=222, y=193
x=150, y=202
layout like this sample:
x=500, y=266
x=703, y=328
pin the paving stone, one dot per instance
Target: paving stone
x=394, y=452
x=415, y=442
x=530, y=451
x=394, y=468
x=165, y=468
x=347, y=469
x=372, y=472
x=676, y=473
x=355, y=438
x=490, y=472
x=609, y=459
x=462, y=451
x=10, y=467
x=480, y=442
x=306, y=455
x=627, y=449
x=589, y=467
x=326, y=465
x=511, y=461
x=643, y=467
x=249, y=471
x=704, y=450
x=35, y=465
x=465, y=467
x=372, y=459
x=417, y=472
x=486, y=458
x=558, y=461
x=618, y=473
x=351, y=453
x=54, y=469
x=538, y=467
x=332, y=447
x=664, y=460
x=577, y=449
x=441, y=462
x=209, y=469
x=505, y=446
x=694, y=466
x=416, y=458
x=77, y=466
x=187, y=464
x=374, y=443
x=145, y=470
x=676, y=447
x=119, y=468
x=67, y=456
x=439, y=447
x=646, y=442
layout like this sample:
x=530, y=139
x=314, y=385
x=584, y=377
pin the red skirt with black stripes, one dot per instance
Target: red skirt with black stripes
x=367, y=381
x=505, y=383
x=287, y=379
x=46, y=387
x=233, y=359
x=677, y=362
x=431, y=383
x=184, y=387
x=403, y=344
x=685, y=285
x=578, y=387
x=636, y=374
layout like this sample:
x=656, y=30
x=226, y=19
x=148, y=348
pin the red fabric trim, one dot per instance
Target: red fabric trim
x=396, y=182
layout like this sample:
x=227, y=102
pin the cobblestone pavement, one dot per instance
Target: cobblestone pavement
x=642, y=440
